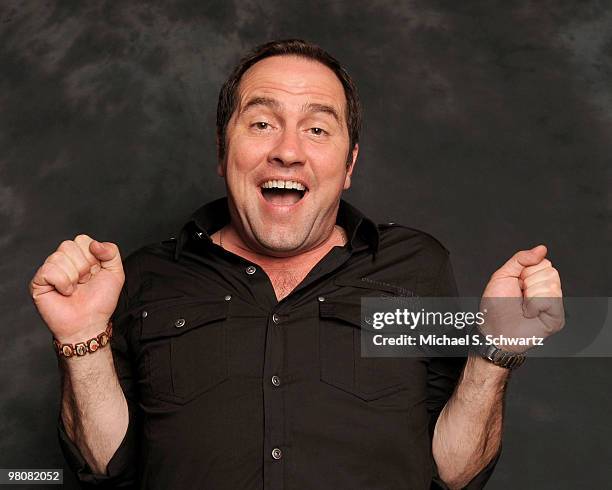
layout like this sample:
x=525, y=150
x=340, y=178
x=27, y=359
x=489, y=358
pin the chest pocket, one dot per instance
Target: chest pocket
x=184, y=349
x=341, y=362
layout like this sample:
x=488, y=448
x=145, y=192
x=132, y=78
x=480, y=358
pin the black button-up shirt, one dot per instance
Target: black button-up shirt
x=229, y=388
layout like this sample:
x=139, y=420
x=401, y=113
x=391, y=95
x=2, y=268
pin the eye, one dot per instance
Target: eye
x=318, y=131
x=261, y=125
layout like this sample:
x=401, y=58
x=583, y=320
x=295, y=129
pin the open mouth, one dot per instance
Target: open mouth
x=283, y=192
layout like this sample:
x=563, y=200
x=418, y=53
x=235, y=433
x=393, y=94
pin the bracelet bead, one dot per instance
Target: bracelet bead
x=88, y=347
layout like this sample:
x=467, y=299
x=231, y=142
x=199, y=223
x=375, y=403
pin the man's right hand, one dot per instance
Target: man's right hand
x=77, y=288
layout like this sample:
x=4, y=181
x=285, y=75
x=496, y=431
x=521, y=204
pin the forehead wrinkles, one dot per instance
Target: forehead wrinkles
x=286, y=99
x=273, y=78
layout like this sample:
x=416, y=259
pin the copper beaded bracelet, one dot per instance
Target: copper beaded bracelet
x=88, y=347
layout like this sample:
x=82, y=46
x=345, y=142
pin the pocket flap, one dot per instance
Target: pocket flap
x=383, y=288
x=347, y=311
x=176, y=319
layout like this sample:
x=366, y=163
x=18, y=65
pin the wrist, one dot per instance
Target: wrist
x=491, y=353
x=83, y=343
x=83, y=334
x=480, y=375
x=485, y=369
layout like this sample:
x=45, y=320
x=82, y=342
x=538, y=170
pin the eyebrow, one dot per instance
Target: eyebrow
x=261, y=101
x=326, y=109
x=276, y=105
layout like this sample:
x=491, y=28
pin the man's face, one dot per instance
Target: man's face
x=289, y=127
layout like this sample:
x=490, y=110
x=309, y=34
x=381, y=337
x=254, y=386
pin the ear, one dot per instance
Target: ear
x=350, y=166
x=220, y=169
x=220, y=163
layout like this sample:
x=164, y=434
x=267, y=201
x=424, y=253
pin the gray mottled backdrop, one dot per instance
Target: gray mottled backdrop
x=488, y=124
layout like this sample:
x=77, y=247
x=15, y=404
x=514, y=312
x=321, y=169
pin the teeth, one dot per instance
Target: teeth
x=283, y=184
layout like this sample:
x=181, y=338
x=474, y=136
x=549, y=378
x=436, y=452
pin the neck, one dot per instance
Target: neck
x=230, y=240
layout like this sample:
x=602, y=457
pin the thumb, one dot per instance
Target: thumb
x=108, y=255
x=520, y=260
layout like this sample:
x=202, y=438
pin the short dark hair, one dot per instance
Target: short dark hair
x=228, y=96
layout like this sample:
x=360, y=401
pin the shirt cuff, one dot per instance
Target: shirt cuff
x=121, y=471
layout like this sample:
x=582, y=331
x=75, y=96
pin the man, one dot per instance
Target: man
x=235, y=360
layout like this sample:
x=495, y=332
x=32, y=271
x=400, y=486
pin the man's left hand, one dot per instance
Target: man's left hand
x=523, y=301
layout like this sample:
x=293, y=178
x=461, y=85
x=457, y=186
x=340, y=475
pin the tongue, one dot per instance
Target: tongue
x=281, y=197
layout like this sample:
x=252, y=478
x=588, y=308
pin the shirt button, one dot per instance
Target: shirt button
x=250, y=270
x=276, y=380
x=277, y=453
x=228, y=297
x=275, y=318
x=179, y=323
x=144, y=314
x=321, y=298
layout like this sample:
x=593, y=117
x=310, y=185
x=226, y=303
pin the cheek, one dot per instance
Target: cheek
x=329, y=165
x=334, y=150
x=245, y=154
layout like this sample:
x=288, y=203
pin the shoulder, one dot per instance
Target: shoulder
x=155, y=256
x=412, y=240
x=410, y=257
x=161, y=250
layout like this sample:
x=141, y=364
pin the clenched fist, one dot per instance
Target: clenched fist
x=523, y=301
x=77, y=288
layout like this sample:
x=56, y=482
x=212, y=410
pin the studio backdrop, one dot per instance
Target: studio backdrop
x=487, y=125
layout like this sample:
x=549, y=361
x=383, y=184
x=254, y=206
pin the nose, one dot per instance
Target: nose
x=287, y=150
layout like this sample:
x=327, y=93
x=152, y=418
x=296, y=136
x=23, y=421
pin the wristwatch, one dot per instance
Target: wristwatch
x=499, y=357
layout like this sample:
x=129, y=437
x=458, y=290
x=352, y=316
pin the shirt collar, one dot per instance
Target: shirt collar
x=362, y=232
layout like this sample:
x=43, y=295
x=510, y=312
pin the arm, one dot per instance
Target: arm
x=468, y=432
x=76, y=291
x=93, y=409
x=522, y=298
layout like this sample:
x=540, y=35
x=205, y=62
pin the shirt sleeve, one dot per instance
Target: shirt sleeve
x=443, y=373
x=121, y=471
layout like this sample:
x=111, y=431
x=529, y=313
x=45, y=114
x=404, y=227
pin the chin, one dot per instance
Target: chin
x=278, y=241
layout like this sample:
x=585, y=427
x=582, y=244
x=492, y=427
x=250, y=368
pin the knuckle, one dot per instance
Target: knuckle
x=46, y=268
x=55, y=257
x=83, y=269
x=66, y=244
x=53, y=274
x=544, y=265
x=550, y=274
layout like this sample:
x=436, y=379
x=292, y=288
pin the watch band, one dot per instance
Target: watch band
x=499, y=357
x=88, y=347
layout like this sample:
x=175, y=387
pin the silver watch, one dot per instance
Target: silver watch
x=499, y=357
